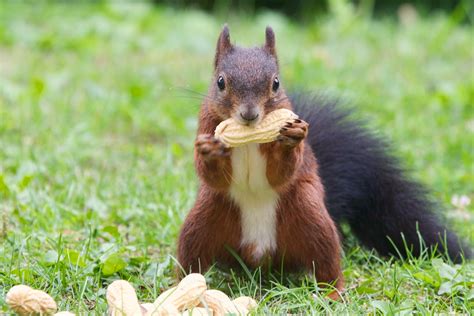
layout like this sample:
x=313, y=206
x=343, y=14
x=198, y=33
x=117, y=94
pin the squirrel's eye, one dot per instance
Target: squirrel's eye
x=276, y=84
x=221, y=83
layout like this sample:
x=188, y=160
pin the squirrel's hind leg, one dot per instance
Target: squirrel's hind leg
x=308, y=238
x=208, y=228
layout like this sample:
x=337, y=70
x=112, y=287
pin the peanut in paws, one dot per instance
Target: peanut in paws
x=233, y=134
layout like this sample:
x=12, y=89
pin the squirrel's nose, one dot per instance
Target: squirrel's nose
x=248, y=116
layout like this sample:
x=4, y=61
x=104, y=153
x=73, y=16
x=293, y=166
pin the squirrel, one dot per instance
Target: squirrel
x=280, y=204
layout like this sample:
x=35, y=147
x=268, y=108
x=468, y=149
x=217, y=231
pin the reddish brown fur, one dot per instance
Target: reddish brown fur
x=307, y=238
x=214, y=168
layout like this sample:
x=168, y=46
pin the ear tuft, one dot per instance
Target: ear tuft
x=270, y=41
x=223, y=44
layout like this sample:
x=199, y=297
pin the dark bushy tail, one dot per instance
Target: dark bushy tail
x=366, y=186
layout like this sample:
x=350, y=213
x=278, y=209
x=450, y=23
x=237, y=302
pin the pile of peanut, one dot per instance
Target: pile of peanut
x=189, y=297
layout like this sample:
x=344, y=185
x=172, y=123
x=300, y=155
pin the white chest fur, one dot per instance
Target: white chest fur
x=255, y=197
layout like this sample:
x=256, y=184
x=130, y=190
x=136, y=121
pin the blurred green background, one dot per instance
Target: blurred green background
x=307, y=9
x=98, y=111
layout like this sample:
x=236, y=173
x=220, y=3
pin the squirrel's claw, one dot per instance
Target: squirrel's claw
x=210, y=147
x=292, y=133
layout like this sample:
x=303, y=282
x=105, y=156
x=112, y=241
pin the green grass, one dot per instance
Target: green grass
x=97, y=127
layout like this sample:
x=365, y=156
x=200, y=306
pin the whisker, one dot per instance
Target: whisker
x=276, y=102
x=196, y=94
x=191, y=91
x=188, y=97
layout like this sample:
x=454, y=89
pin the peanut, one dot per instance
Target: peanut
x=233, y=134
x=221, y=304
x=122, y=299
x=186, y=295
x=198, y=311
x=24, y=300
x=146, y=307
x=246, y=302
x=162, y=310
x=160, y=300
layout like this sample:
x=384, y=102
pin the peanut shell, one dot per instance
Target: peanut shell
x=184, y=296
x=24, y=300
x=221, y=304
x=246, y=302
x=122, y=299
x=234, y=134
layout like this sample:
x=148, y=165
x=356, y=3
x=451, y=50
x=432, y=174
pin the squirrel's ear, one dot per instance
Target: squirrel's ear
x=223, y=45
x=270, y=41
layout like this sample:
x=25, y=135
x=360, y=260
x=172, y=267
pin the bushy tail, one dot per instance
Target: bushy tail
x=366, y=186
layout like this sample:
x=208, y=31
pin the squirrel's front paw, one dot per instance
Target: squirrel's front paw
x=210, y=147
x=293, y=133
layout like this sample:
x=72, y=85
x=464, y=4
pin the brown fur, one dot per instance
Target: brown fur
x=307, y=239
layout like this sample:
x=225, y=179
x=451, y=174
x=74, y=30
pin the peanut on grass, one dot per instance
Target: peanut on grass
x=25, y=301
x=246, y=302
x=146, y=307
x=184, y=296
x=198, y=311
x=233, y=134
x=162, y=310
x=221, y=304
x=122, y=299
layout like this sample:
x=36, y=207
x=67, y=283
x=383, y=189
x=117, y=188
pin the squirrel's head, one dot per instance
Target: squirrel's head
x=246, y=82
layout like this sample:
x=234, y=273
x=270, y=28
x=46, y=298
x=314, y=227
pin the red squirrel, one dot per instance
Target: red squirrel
x=264, y=201
x=275, y=203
